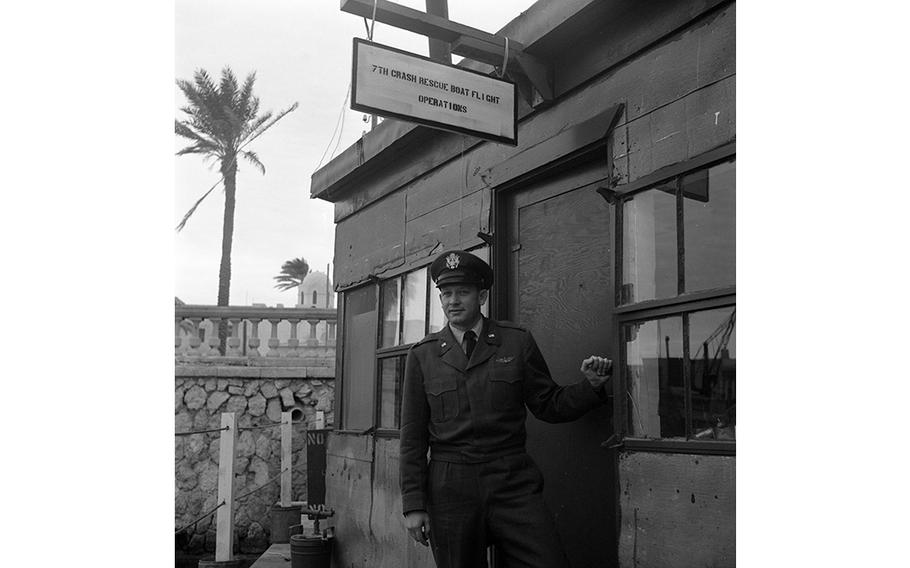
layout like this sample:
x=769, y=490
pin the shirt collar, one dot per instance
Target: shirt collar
x=459, y=335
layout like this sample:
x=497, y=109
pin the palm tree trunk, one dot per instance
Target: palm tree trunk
x=229, y=170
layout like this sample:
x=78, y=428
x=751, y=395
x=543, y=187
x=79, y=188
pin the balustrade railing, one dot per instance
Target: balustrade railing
x=288, y=332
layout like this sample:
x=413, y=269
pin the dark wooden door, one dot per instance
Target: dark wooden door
x=560, y=287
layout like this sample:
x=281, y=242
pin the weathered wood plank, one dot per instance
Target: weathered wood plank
x=669, y=502
x=350, y=446
x=454, y=225
x=371, y=242
x=679, y=131
x=286, y=460
x=628, y=26
x=711, y=117
x=224, y=520
x=348, y=492
x=419, y=22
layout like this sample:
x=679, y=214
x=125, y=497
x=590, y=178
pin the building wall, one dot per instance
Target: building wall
x=678, y=511
x=679, y=102
x=200, y=396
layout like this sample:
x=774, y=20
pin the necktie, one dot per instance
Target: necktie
x=470, y=340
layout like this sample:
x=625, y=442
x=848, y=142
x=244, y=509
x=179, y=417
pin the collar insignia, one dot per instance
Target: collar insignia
x=452, y=261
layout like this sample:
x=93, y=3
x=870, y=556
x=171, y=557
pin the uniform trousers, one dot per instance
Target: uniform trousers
x=497, y=502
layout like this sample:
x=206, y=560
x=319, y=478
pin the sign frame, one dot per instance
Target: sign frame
x=448, y=126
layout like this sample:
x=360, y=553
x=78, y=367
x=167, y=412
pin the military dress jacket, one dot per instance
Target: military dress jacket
x=473, y=411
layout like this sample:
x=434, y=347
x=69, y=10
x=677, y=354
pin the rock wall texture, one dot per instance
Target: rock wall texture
x=258, y=404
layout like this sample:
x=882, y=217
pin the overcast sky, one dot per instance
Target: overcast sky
x=301, y=51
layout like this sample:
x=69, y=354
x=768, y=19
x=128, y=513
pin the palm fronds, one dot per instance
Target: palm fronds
x=221, y=119
x=292, y=273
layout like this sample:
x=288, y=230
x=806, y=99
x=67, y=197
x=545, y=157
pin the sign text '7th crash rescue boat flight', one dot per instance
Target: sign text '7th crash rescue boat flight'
x=394, y=83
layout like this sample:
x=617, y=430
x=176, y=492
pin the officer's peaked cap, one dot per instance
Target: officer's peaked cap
x=460, y=267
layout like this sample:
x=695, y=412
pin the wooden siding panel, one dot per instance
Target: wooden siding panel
x=348, y=492
x=452, y=225
x=349, y=446
x=678, y=510
x=422, y=150
x=436, y=189
x=627, y=28
x=711, y=117
x=668, y=134
x=388, y=522
x=703, y=120
x=717, y=47
x=370, y=242
x=363, y=490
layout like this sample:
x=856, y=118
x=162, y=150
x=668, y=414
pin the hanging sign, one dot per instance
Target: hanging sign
x=393, y=83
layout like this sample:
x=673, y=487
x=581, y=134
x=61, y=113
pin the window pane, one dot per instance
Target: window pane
x=359, y=358
x=712, y=344
x=390, y=375
x=654, y=367
x=391, y=324
x=414, y=298
x=437, y=317
x=649, y=253
x=709, y=217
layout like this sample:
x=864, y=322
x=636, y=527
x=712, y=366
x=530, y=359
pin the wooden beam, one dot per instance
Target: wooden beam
x=421, y=23
x=439, y=50
x=286, y=459
x=465, y=41
x=224, y=521
x=536, y=71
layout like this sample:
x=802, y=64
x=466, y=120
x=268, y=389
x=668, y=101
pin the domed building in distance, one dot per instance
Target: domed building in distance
x=316, y=291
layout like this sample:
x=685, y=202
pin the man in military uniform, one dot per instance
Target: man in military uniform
x=466, y=388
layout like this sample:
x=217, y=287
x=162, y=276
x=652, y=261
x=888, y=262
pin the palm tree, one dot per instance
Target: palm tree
x=222, y=120
x=292, y=274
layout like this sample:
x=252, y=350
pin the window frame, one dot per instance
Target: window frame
x=682, y=305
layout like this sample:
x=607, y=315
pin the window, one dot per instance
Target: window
x=358, y=362
x=677, y=305
x=410, y=309
x=315, y=298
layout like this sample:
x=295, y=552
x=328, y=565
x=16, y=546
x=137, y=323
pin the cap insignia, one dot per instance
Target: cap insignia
x=452, y=261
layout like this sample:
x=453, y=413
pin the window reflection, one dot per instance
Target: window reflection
x=437, y=317
x=391, y=370
x=649, y=253
x=414, y=300
x=391, y=324
x=654, y=367
x=712, y=343
x=709, y=219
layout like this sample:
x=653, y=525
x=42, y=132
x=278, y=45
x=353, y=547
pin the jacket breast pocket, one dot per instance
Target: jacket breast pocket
x=443, y=399
x=506, y=386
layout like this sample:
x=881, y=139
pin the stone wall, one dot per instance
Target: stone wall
x=257, y=396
